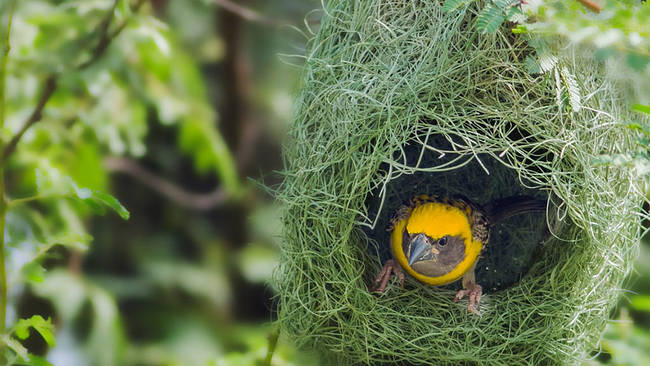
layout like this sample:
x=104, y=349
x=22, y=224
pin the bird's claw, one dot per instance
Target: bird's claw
x=474, y=291
x=390, y=267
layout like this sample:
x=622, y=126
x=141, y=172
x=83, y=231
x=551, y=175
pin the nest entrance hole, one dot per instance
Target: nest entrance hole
x=514, y=243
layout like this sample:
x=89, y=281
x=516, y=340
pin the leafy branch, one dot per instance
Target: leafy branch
x=22, y=331
x=196, y=201
x=246, y=13
x=50, y=84
x=621, y=26
x=96, y=200
x=590, y=5
x=496, y=12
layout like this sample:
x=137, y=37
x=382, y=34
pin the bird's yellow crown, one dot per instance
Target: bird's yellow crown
x=439, y=219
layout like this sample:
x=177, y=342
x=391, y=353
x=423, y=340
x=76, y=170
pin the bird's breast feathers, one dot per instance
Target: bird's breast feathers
x=437, y=219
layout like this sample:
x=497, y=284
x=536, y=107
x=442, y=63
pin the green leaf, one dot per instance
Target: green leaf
x=74, y=240
x=547, y=62
x=520, y=29
x=200, y=138
x=641, y=108
x=44, y=327
x=451, y=5
x=180, y=98
x=101, y=198
x=603, y=54
x=85, y=165
x=637, y=62
x=51, y=182
x=489, y=19
x=625, y=342
x=17, y=347
x=38, y=361
x=532, y=66
x=516, y=16
x=106, y=337
x=504, y=4
x=643, y=129
x=128, y=120
x=572, y=89
x=33, y=272
x=257, y=262
x=640, y=302
x=123, y=9
x=544, y=60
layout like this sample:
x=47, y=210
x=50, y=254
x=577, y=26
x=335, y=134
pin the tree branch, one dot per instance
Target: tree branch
x=48, y=90
x=591, y=5
x=176, y=194
x=273, y=342
x=246, y=13
x=107, y=37
x=50, y=84
x=103, y=36
x=196, y=201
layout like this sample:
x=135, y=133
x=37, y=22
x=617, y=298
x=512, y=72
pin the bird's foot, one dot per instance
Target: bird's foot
x=474, y=291
x=391, y=267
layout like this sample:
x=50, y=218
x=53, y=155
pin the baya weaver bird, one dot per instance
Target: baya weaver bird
x=438, y=240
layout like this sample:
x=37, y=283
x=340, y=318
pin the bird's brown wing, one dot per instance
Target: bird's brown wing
x=503, y=208
x=480, y=225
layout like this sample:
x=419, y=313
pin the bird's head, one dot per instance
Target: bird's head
x=433, y=256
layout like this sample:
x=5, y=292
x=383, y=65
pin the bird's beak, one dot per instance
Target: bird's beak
x=419, y=246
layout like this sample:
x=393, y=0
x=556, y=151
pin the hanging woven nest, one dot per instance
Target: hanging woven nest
x=400, y=98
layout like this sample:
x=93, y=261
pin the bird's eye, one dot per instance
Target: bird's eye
x=442, y=241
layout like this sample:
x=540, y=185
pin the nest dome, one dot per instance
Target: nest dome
x=400, y=97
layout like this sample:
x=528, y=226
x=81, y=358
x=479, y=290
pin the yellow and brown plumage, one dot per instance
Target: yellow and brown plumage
x=438, y=240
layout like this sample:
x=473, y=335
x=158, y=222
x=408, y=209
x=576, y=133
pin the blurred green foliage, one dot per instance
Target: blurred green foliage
x=142, y=81
x=627, y=338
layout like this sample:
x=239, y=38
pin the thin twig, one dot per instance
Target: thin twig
x=3, y=65
x=107, y=37
x=246, y=13
x=48, y=90
x=196, y=201
x=3, y=203
x=273, y=342
x=191, y=200
x=103, y=36
x=591, y=5
x=22, y=200
x=50, y=84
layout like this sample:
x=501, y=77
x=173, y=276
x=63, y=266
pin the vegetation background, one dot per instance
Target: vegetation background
x=171, y=114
